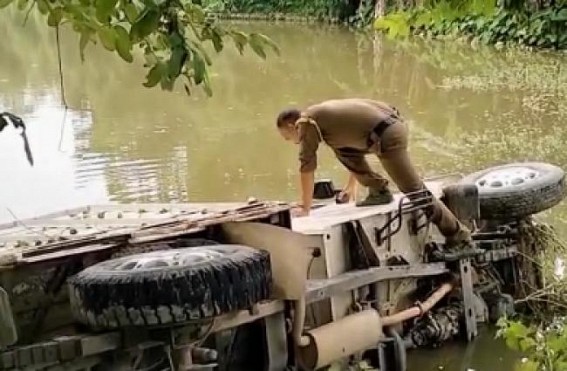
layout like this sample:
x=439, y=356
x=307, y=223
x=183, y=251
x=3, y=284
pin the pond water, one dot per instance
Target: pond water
x=468, y=108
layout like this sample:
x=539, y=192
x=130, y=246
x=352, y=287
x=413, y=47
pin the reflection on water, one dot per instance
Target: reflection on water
x=119, y=141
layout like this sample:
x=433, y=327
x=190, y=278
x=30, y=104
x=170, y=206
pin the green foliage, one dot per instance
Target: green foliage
x=545, y=28
x=544, y=345
x=320, y=9
x=172, y=34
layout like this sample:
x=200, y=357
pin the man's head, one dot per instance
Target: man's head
x=286, y=124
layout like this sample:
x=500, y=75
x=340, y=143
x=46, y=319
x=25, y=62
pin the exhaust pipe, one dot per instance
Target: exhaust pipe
x=351, y=334
x=336, y=340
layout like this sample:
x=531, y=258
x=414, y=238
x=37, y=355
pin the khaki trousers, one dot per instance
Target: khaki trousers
x=392, y=150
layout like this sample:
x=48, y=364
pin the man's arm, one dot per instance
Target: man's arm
x=309, y=143
x=351, y=184
x=307, y=185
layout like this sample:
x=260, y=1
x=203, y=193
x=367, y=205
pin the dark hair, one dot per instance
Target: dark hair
x=286, y=116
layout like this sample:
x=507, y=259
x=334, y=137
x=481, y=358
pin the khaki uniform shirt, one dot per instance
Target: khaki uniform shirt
x=340, y=123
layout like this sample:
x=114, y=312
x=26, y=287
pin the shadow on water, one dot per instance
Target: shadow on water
x=468, y=108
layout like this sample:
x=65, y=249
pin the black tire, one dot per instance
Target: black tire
x=170, y=286
x=531, y=187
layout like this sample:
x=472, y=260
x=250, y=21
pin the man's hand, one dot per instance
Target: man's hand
x=349, y=192
x=298, y=212
x=346, y=195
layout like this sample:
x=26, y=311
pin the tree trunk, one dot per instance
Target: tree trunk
x=379, y=8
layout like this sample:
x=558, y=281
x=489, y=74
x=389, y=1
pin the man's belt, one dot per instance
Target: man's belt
x=385, y=123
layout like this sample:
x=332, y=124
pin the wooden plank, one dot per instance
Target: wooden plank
x=66, y=253
x=325, y=288
x=143, y=231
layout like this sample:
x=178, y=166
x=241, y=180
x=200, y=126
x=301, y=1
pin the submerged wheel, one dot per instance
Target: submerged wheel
x=170, y=286
x=517, y=190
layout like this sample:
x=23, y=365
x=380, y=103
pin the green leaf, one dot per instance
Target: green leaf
x=560, y=16
x=147, y=24
x=526, y=344
x=123, y=44
x=104, y=8
x=527, y=366
x=83, y=41
x=240, y=40
x=176, y=61
x=207, y=87
x=557, y=343
x=265, y=40
x=22, y=4
x=175, y=40
x=197, y=47
x=518, y=329
x=167, y=83
x=41, y=6
x=108, y=38
x=154, y=75
x=195, y=12
x=54, y=17
x=512, y=343
x=131, y=12
x=5, y=3
x=217, y=41
x=199, y=68
x=256, y=45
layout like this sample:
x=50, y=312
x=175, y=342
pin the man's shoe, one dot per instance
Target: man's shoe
x=377, y=197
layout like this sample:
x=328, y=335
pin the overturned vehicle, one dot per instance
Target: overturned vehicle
x=247, y=287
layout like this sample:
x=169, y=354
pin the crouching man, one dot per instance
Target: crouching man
x=353, y=128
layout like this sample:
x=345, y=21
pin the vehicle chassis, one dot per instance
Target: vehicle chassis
x=361, y=258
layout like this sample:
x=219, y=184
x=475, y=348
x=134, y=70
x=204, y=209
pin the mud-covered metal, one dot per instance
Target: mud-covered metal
x=437, y=327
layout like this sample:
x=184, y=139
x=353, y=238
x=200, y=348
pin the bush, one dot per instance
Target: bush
x=320, y=9
x=544, y=28
x=544, y=345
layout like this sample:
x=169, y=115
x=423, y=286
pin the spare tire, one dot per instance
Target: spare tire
x=517, y=190
x=170, y=286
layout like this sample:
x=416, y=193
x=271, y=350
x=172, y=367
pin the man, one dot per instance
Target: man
x=353, y=128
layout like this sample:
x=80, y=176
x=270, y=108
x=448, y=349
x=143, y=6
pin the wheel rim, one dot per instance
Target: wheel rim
x=507, y=177
x=164, y=258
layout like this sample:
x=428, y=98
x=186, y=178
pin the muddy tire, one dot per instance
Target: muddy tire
x=170, y=286
x=517, y=190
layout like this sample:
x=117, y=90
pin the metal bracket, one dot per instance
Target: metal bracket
x=468, y=298
x=276, y=342
x=8, y=330
x=410, y=202
x=414, y=225
x=366, y=255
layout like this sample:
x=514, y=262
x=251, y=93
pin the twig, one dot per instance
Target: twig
x=25, y=226
x=28, y=13
x=63, y=99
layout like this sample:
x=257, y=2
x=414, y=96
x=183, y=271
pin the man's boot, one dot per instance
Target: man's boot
x=375, y=197
x=459, y=246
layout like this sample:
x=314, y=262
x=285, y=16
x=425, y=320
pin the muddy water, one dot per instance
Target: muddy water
x=118, y=141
